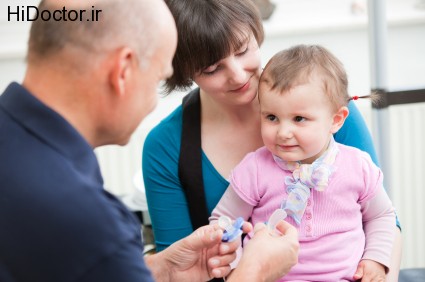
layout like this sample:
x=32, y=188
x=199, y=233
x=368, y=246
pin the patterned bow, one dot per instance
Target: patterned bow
x=305, y=177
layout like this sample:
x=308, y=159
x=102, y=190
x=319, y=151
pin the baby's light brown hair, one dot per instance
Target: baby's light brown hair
x=294, y=66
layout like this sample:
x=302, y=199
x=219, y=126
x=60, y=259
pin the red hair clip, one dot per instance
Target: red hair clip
x=373, y=96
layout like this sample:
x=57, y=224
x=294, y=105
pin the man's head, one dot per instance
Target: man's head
x=101, y=73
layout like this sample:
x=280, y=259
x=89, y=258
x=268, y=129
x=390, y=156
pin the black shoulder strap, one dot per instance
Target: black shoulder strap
x=190, y=160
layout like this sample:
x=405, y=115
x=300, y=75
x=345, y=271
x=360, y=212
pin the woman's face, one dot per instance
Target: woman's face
x=234, y=79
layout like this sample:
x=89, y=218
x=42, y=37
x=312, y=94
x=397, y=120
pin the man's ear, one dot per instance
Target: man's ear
x=339, y=119
x=123, y=63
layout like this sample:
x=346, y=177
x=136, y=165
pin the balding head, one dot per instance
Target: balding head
x=101, y=25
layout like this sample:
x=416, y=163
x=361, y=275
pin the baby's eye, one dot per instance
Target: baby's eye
x=271, y=117
x=299, y=118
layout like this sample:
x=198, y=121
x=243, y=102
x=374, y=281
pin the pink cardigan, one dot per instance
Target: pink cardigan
x=332, y=239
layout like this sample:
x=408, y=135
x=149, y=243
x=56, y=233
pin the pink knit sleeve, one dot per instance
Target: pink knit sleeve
x=372, y=177
x=244, y=178
x=378, y=224
x=232, y=206
x=238, y=199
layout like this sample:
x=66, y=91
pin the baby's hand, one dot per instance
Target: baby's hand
x=370, y=271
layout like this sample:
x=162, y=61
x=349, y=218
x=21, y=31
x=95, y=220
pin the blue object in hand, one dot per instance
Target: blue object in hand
x=231, y=231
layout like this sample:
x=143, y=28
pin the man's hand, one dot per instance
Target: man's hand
x=268, y=256
x=200, y=256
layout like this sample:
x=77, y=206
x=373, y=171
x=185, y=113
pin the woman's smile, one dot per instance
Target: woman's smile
x=243, y=88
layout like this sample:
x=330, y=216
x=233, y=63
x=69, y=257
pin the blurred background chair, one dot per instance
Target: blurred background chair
x=412, y=275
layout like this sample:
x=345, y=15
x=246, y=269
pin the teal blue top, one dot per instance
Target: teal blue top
x=166, y=199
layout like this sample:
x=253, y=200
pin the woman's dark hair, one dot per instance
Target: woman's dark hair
x=208, y=31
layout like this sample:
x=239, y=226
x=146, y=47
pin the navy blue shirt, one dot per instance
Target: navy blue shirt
x=57, y=223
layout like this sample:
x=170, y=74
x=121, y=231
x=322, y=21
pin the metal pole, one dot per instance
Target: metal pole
x=378, y=63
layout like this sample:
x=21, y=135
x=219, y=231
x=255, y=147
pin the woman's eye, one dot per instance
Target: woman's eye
x=243, y=52
x=299, y=118
x=211, y=70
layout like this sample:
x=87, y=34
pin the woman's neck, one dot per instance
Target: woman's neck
x=213, y=110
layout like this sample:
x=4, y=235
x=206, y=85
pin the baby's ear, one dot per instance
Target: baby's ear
x=339, y=119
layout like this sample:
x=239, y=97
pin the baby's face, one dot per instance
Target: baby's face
x=297, y=124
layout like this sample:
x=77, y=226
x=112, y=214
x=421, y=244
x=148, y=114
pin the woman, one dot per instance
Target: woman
x=218, y=49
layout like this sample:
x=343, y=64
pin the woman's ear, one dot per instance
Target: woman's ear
x=339, y=119
x=123, y=62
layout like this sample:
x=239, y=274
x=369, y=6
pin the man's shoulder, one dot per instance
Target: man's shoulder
x=68, y=223
x=54, y=208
